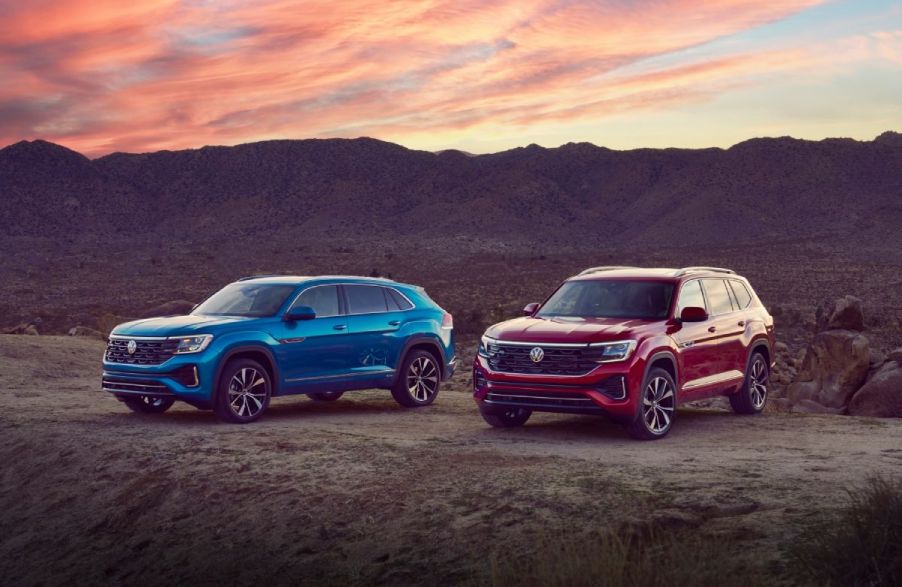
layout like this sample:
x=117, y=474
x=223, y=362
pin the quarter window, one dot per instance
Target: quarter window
x=718, y=297
x=691, y=297
x=365, y=299
x=322, y=298
x=743, y=297
x=395, y=300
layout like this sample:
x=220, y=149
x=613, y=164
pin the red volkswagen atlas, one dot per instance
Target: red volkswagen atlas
x=630, y=343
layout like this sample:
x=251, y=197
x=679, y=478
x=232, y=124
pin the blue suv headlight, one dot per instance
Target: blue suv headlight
x=608, y=352
x=193, y=344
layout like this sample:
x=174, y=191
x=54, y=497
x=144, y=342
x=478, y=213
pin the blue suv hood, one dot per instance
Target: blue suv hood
x=177, y=325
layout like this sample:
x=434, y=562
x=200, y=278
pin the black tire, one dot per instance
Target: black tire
x=656, y=407
x=752, y=396
x=325, y=396
x=239, y=397
x=418, y=381
x=506, y=417
x=148, y=405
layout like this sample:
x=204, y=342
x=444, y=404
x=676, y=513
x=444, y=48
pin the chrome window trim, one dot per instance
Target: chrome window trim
x=345, y=284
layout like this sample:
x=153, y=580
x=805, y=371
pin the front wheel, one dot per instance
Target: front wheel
x=243, y=393
x=752, y=396
x=657, y=407
x=506, y=418
x=419, y=380
x=148, y=405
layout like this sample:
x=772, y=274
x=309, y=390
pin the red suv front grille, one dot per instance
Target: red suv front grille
x=507, y=358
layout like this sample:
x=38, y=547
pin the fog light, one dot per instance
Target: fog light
x=479, y=381
x=614, y=387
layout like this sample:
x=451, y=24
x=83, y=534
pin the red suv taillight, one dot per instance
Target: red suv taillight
x=447, y=321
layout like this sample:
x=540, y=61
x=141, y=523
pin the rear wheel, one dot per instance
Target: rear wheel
x=657, y=407
x=419, y=380
x=244, y=391
x=146, y=404
x=506, y=418
x=752, y=396
x=326, y=396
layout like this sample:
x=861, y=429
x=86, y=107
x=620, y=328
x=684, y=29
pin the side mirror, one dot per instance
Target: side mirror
x=530, y=309
x=300, y=313
x=693, y=314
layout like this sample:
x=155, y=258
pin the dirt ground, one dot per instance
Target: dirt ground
x=364, y=491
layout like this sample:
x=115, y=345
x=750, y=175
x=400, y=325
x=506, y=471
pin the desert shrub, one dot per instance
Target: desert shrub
x=859, y=544
x=660, y=559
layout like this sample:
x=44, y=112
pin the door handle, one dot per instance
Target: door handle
x=711, y=328
x=340, y=326
x=394, y=323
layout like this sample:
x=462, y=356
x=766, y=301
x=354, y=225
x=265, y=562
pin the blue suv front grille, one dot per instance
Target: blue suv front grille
x=147, y=351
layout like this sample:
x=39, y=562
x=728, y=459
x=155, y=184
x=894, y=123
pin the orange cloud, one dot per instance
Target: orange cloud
x=151, y=74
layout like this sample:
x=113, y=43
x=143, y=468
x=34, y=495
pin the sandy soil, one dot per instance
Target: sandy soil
x=365, y=491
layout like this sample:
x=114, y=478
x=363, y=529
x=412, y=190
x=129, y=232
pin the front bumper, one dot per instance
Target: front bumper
x=609, y=389
x=188, y=378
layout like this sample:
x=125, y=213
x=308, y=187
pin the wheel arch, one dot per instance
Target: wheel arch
x=258, y=353
x=426, y=343
x=763, y=346
x=666, y=360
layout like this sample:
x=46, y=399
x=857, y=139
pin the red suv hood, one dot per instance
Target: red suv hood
x=569, y=330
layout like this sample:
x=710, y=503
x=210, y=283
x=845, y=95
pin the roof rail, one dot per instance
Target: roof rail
x=686, y=270
x=604, y=268
x=258, y=276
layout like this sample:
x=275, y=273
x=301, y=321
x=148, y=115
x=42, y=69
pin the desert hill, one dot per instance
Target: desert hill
x=762, y=189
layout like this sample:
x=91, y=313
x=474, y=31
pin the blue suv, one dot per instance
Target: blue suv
x=281, y=335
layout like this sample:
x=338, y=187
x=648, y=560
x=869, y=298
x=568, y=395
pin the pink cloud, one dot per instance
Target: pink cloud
x=151, y=74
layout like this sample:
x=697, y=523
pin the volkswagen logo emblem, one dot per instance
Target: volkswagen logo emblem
x=133, y=346
x=537, y=354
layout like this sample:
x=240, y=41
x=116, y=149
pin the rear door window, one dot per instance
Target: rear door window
x=365, y=299
x=719, y=297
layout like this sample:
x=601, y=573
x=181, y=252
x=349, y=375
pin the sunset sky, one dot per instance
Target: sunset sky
x=141, y=75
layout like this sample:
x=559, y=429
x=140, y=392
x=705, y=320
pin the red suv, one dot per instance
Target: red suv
x=630, y=343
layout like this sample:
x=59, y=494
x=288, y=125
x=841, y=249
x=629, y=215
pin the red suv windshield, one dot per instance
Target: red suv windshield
x=599, y=298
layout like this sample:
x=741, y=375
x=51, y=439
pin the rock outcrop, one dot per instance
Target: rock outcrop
x=881, y=396
x=837, y=361
x=841, y=314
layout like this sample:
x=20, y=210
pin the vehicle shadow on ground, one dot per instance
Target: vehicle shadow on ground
x=561, y=427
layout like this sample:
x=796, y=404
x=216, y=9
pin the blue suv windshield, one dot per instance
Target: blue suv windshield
x=252, y=300
x=645, y=300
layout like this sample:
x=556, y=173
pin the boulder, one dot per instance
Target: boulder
x=835, y=366
x=895, y=355
x=841, y=314
x=881, y=396
x=173, y=308
x=85, y=331
x=29, y=329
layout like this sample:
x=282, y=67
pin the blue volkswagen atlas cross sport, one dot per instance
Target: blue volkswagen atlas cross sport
x=280, y=335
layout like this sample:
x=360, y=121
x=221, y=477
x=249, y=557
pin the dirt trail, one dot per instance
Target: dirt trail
x=364, y=491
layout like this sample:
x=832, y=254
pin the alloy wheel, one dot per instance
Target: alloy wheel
x=246, y=397
x=758, y=383
x=422, y=378
x=658, y=403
